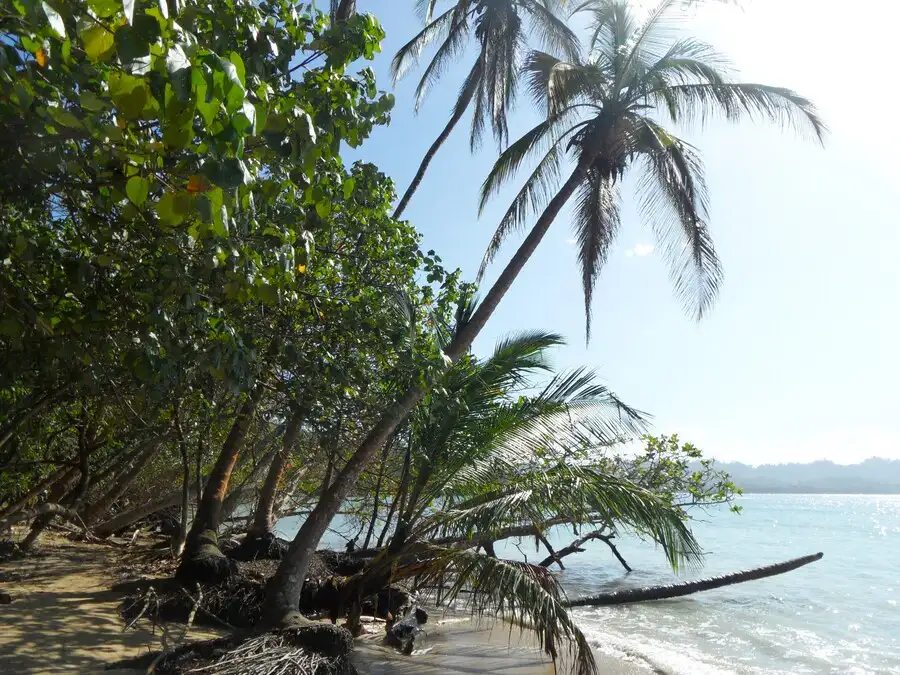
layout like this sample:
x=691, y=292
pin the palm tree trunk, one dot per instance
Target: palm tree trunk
x=283, y=596
x=689, y=587
x=264, y=518
x=207, y=516
x=458, y=113
x=466, y=336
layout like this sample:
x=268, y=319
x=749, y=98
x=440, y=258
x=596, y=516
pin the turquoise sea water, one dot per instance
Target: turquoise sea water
x=838, y=615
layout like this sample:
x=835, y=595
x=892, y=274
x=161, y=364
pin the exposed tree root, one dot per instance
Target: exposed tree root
x=253, y=547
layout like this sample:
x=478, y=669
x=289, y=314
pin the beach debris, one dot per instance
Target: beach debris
x=405, y=634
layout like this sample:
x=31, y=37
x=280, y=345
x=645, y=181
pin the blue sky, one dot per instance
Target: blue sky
x=800, y=357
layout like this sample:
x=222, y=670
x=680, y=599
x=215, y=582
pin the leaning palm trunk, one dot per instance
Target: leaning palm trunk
x=284, y=591
x=429, y=156
x=689, y=587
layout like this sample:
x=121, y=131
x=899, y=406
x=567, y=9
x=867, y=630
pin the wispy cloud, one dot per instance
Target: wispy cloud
x=571, y=242
x=639, y=250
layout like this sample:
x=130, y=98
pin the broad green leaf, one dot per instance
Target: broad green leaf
x=99, y=43
x=137, y=189
x=130, y=94
x=104, y=8
x=130, y=44
x=65, y=118
x=323, y=208
x=229, y=173
x=56, y=21
x=90, y=101
x=245, y=119
x=172, y=209
x=348, y=187
x=238, y=63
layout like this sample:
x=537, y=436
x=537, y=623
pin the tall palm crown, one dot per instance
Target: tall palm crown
x=602, y=112
x=500, y=29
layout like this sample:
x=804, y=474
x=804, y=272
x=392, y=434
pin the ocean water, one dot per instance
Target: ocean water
x=837, y=615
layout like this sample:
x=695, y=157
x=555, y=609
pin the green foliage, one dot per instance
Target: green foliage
x=177, y=224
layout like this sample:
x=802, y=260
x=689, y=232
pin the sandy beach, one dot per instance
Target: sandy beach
x=462, y=645
x=64, y=619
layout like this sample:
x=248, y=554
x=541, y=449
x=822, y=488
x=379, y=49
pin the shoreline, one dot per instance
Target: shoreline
x=64, y=618
x=458, y=643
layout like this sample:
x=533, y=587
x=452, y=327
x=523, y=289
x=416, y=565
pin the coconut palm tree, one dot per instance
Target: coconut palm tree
x=500, y=29
x=492, y=463
x=602, y=114
x=674, y=81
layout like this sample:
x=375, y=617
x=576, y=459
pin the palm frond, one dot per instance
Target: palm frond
x=581, y=495
x=674, y=197
x=408, y=55
x=596, y=226
x=452, y=46
x=551, y=30
x=555, y=84
x=700, y=101
x=528, y=596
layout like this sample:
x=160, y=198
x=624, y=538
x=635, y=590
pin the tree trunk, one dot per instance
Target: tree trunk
x=283, y=595
x=23, y=501
x=264, y=518
x=458, y=113
x=384, y=456
x=32, y=409
x=126, y=518
x=181, y=537
x=99, y=507
x=401, y=493
x=55, y=495
x=688, y=587
x=42, y=511
x=467, y=334
x=207, y=516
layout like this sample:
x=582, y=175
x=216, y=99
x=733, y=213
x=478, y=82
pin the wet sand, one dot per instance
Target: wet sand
x=461, y=645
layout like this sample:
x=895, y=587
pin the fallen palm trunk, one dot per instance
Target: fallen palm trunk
x=689, y=587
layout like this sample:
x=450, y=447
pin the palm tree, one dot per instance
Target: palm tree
x=494, y=464
x=500, y=28
x=602, y=113
x=685, y=87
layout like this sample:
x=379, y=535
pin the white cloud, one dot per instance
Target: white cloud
x=639, y=250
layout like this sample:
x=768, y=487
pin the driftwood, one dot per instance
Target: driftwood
x=629, y=595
